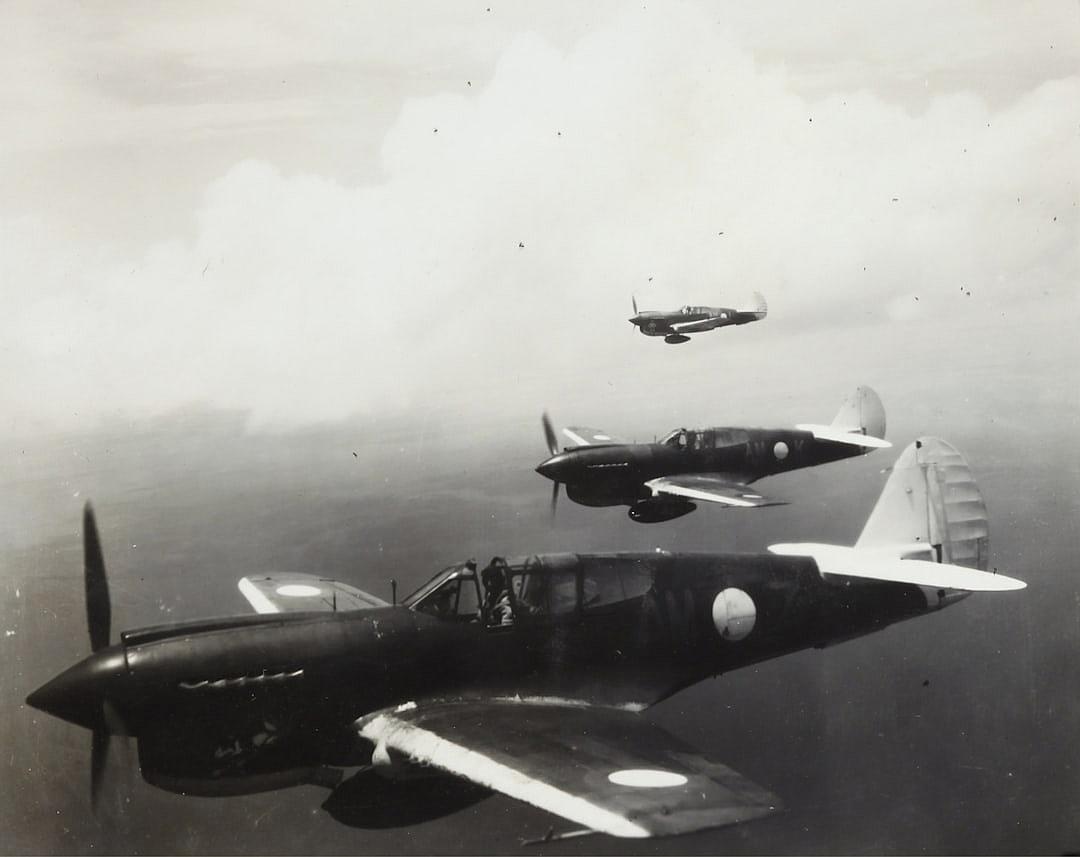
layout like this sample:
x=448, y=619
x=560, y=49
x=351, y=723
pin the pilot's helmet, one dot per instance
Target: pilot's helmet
x=493, y=577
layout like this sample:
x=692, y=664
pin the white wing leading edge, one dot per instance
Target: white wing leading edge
x=711, y=488
x=611, y=771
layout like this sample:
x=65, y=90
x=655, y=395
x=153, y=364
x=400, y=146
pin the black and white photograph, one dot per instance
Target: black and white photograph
x=540, y=428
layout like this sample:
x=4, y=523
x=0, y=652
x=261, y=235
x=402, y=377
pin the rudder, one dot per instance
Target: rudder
x=861, y=412
x=931, y=499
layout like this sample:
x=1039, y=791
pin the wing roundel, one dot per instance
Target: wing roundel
x=286, y=593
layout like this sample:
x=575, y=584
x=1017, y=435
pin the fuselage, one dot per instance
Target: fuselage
x=615, y=474
x=276, y=694
x=689, y=319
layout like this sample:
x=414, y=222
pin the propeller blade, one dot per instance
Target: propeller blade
x=633, y=300
x=549, y=434
x=112, y=725
x=98, y=609
x=99, y=755
x=554, y=498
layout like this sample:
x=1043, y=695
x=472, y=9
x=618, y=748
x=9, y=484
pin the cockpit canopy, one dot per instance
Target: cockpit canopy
x=714, y=438
x=523, y=588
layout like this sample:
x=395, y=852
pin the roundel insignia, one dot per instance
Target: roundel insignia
x=298, y=590
x=644, y=778
x=733, y=614
x=780, y=450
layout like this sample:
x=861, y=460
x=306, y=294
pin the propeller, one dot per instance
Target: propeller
x=98, y=609
x=633, y=300
x=99, y=756
x=99, y=621
x=553, y=448
x=549, y=435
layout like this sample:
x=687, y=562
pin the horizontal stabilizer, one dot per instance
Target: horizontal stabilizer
x=884, y=564
x=839, y=435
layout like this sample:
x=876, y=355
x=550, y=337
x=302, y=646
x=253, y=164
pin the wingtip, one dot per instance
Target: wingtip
x=1009, y=584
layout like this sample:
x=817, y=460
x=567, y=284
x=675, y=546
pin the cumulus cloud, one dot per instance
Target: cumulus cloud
x=496, y=255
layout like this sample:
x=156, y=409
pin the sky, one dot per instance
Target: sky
x=349, y=211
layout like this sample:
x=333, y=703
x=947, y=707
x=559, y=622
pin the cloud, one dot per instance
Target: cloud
x=493, y=262
x=914, y=51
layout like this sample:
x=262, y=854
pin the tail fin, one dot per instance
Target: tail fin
x=861, y=412
x=931, y=499
x=756, y=307
x=928, y=528
x=859, y=422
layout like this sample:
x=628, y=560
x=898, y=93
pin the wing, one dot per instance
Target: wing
x=585, y=436
x=609, y=770
x=283, y=593
x=703, y=324
x=711, y=487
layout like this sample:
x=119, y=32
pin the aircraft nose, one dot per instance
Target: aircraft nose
x=557, y=468
x=78, y=694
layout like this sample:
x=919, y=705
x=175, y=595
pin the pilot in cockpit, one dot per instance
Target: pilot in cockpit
x=495, y=580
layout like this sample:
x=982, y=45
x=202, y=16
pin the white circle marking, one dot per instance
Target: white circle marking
x=298, y=590
x=644, y=778
x=733, y=614
x=780, y=450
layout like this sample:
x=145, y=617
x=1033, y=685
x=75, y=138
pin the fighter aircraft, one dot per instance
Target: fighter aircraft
x=526, y=678
x=659, y=481
x=675, y=325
